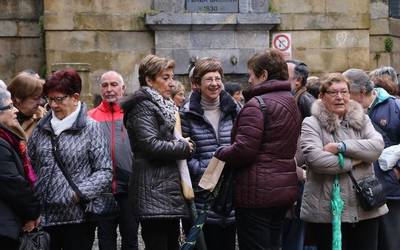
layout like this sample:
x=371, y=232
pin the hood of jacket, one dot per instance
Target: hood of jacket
x=266, y=87
x=354, y=117
x=381, y=96
x=227, y=104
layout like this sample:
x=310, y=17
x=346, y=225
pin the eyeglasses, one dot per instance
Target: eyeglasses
x=210, y=80
x=56, y=99
x=8, y=107
x=336, y=93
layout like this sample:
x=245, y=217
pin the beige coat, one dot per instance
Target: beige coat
x=362, y=143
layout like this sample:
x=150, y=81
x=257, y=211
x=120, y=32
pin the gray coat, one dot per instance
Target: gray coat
x=362, y=143
x=86, y=156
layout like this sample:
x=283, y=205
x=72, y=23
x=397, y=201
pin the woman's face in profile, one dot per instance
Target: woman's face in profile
x=163, y=83
x=179, y=98
x=336, y=98
x=253, y=79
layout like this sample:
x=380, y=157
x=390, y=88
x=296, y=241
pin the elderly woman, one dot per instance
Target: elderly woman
x=155, y=187
x=26, y=91
x=67, y=144
x=262, y=154
x=339, y=124
x=178, y=94
x=208, y=119
x=19, y=207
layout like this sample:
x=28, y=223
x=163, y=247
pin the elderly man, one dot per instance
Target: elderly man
x=383, y=109
x=110, y=114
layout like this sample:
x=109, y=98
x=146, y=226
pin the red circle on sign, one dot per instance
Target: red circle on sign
x=281, y=42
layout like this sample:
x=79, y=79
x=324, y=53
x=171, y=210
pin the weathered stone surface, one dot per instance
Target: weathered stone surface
x=8, y=28
x=95, y=21
x=379, y=9
x=300, y=6
x=358, y=58
x=331, y=21
x=259, y=6
x=377, y=43
x=345, y=39
x=394, y=25
x=97, y=6
x=55, y=21
x=379, y=26
x=20, y=9
x=174, y=6
x=309, y=39
x=323, y=60
x=172, y=39
x=349, y=7
x=88, y=41
x=212, y=39
x=28, y=29
x=251, y=39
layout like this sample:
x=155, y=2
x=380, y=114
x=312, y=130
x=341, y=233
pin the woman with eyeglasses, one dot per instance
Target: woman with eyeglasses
x=264, y=139
x=69, y=147
x=26, y=93
x=19, y=207
x=207, y=118
x=339, y=125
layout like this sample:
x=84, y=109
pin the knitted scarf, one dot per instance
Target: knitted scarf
x=19, y=146
x=167, y=106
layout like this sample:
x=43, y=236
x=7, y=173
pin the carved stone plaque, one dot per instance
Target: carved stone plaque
x=219, y=6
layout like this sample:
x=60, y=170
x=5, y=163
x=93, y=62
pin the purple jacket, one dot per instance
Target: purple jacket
x=263, y=154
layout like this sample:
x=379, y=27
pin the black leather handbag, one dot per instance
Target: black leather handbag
x=369, y=192
x=35, y=240
x=222, y=196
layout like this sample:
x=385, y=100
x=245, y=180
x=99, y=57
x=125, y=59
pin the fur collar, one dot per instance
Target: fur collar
x=354, y=118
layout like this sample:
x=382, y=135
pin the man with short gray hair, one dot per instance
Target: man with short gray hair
x=110, y=115
x=384, y=112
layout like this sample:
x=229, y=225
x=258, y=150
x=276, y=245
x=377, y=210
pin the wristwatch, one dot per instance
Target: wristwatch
x=341, y=147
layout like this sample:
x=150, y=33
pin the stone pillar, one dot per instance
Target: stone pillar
x=83, y=70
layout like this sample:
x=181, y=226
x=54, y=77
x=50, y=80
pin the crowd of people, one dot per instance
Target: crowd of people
x=289, y=139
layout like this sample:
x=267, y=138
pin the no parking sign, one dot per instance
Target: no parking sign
x=283, y=43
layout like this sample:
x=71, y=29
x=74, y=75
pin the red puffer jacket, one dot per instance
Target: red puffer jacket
x=262, y=154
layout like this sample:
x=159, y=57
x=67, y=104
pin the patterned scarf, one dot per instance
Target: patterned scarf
x=19, y=146
x=167, y=106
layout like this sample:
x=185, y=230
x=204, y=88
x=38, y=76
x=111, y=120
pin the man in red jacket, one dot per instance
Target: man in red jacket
x=110, y=114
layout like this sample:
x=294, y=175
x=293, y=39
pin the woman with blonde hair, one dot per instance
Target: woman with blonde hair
x=155, y=188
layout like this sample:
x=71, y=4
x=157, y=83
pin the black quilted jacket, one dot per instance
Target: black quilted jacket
x=86, y=156
x=155, y=190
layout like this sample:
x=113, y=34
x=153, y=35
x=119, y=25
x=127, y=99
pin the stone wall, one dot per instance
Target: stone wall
x=108, y=35
x=384, y=30
x=329, y=36
x=21, y=45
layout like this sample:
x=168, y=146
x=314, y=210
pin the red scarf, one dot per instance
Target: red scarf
x=20, y=147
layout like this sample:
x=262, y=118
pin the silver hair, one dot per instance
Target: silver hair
x=3, y=85
x=5, y=95
x=121, y=79
x=386, y=70
x=359, y=80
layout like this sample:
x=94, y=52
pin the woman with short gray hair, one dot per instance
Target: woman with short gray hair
x=386, y=78
x=19, y=207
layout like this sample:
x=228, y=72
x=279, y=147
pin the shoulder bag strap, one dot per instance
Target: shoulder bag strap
x=354, y=181
x=263, y=108
x=62, y=168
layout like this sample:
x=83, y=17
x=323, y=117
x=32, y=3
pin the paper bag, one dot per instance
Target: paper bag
x=211, y=176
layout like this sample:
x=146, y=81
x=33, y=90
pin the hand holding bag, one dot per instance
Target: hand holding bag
x=35, y=240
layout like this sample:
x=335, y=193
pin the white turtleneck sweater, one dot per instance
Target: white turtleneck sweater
x=212, y=112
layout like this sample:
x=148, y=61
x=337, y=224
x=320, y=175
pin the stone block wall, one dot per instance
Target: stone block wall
x=107, y=35
x=384, y=30
x=21, y=43
x=329, y=36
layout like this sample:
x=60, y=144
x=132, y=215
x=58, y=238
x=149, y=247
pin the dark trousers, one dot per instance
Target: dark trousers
x=361, y=235
x=218, y=237
x=71, y=236
x=160, y=234
x=259, y=228
x=389, y=226
x=128, y=228
x=7, y=243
